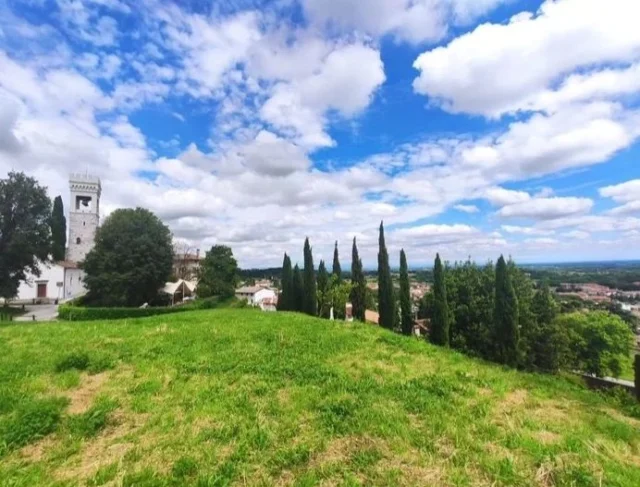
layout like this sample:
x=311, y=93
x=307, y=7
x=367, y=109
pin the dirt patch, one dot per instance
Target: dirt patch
x=515, y=398
x=111, y=446
x=618, y=416
x=35, y=452
x=81, y=398
x=546, y=437
x=340, y=450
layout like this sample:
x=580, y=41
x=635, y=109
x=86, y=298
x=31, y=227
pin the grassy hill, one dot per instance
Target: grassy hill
x=238, y=397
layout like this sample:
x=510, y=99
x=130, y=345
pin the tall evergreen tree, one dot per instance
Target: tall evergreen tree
x=337, y=270
x=386, y=300
x=359, y=285
x=58, y=230
x=440, y=319
x=324, y=304
x=505, y=316
x=285, y=302
x=406, y=316
x=310, y=305
x=298, y=290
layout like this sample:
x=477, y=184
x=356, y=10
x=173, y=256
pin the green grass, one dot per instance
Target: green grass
x=239, y=397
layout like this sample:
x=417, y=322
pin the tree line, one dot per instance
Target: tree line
x=495, y=312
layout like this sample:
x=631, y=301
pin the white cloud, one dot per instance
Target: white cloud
x=627, y=193
x=515, y=229
x=500, y=68
x=467, y=208
x=409, y=20
x=501, y=197
x=546, y=208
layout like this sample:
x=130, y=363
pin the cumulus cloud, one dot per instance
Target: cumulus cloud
x=485, y=72
x=546, y=208
x=467, y=208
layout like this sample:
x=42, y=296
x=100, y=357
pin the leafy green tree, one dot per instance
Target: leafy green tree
x=599, y=342
x=337, y=270
x=386, y=299
x=298, y=290
x=131, y=260
x=25, y=233
x=285, y=300
x=359, y=285
x=218, y=273
x=470, y=294
x=507, y=334
x=339, y=292
x=440, y=321
x=324, y=298
x=406, y=314
x=310, y=305
x=58, y=230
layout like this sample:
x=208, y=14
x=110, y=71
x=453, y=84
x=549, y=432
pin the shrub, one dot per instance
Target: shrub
x=75, y=313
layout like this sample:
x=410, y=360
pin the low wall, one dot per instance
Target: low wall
x=608, y=383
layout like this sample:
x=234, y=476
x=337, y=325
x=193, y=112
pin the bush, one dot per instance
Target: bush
x=75, y=313
x=69, y=312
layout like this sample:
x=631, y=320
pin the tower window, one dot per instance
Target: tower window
x=83, y=224
x=78, y=241
x=83, y=203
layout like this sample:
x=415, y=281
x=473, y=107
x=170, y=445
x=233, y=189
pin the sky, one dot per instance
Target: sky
x=473, y=128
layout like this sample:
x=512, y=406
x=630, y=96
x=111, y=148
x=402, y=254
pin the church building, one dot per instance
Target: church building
x=65, y=280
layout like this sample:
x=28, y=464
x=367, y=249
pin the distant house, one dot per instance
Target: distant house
x=263, y=297
x=371, y=317
x=187, y=265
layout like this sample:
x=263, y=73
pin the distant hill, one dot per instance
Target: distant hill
x=239, y=397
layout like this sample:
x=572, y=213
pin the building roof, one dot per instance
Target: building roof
x=249, y=289
x=67, y=264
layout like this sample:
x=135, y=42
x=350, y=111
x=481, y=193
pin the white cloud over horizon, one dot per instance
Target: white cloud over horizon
x=271, y=94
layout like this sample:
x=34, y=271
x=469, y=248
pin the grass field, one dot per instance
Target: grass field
x=239, y=397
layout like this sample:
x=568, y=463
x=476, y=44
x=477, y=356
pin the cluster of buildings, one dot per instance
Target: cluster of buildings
x=64, y=280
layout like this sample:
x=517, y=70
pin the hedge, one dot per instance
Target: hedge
x=70, y=312
x=77, y=313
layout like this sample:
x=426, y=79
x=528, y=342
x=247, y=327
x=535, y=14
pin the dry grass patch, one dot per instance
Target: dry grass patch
x=109, y=447
x=81, y=398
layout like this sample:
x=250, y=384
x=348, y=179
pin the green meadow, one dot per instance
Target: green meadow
x=239, y=397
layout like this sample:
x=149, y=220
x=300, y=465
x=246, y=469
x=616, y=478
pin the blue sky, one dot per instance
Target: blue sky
x=472, y=127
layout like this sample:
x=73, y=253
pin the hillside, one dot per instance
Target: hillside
x=236, y=397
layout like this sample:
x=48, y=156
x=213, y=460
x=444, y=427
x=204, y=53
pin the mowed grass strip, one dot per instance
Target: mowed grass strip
x=239, y=397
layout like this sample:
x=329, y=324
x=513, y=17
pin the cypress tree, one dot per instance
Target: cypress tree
x=406, y=318
x=298, y=290
x=58, y=230
x=323, y=291
x=386, y=301
x=505, y=316
x=310, y=305
x=285, y=303
x=359, y=285
x=337, y=270
x=440, y=318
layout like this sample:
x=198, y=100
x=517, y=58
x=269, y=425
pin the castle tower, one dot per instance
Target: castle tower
x=84, y=215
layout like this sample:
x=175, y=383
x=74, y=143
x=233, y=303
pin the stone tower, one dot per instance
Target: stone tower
x=84, y=215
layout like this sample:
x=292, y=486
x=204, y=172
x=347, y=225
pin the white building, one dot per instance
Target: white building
x=263, y=297
x=65, y=280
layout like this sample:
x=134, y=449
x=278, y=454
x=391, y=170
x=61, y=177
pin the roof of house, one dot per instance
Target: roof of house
x=249, y=289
